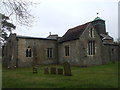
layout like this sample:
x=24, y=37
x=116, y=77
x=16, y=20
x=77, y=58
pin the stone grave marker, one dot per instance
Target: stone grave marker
x=35, y=70
x=67, y=69
x=60, y=71
x=46, y=70
x=53, y=70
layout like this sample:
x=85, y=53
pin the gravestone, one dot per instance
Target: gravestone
x=67, y=69
x=53, y=70
x=35, y=70
x=35, y=57
x=46, y=70
x=60, y=71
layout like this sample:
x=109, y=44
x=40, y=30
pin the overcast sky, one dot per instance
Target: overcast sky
x=57, y=16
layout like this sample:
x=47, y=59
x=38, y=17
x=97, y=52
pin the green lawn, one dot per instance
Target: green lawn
x=0, y=75
x=103, y=76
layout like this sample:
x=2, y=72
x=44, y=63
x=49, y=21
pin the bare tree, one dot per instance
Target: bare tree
x=18, y=9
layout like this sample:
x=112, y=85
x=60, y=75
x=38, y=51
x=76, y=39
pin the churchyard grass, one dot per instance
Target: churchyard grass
x=102, y=76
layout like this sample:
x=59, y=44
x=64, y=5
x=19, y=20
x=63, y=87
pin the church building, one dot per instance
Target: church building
x=84, y=45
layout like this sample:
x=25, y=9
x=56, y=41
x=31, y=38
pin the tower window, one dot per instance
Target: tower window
x=28, y=52
x=66, y=50
x=49, y=52
x=91, y=48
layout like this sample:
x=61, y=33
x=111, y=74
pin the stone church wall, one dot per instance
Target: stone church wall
x=95, y=59
x=109, y=53
x=9, y=54
x=73, y=57
x=79, y=50
x=41, y=51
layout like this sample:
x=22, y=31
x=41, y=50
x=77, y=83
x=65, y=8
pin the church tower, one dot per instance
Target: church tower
x=99, y=25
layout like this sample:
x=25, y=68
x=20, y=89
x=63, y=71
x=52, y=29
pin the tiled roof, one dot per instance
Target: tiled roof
x=73, y=33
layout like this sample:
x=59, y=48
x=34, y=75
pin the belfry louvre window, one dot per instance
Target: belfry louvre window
x=91, y=48
x=28, y=52
x=49, y=52
x=67, y=51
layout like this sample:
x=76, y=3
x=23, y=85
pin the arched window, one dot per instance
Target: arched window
x=28, y=52
x=49, y=53
x=91, y=33
x=91, y=48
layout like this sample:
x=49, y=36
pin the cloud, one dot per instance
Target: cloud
x=57, y=16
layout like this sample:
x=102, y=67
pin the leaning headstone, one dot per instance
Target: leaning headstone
x=60, y=71
x=35, y=70
x=46, y=70
x=67, y=69
x=53, y=70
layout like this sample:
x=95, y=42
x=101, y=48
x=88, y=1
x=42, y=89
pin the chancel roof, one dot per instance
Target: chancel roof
x=73, y=33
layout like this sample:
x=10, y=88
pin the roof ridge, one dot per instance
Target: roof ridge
x=74, y=33
x=79, y=25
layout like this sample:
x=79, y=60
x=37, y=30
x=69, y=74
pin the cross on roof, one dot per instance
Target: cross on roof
x=97, y=14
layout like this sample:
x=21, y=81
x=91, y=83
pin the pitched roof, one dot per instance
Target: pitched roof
x=106, y=37
x=73, y=33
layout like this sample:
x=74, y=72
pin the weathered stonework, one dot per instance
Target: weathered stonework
x=78, y=50
x=51, y=50
x=10, y=52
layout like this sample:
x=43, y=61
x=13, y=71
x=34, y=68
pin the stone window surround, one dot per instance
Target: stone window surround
x=91, y=33
x=49, y=53
x=91, y=49
x=28, y=52
x=67, y=51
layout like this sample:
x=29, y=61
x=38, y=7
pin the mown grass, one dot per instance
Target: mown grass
x=0, y=75
x=103, y=76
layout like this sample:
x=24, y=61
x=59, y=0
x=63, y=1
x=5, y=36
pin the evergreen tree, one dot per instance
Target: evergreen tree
x=5, y=28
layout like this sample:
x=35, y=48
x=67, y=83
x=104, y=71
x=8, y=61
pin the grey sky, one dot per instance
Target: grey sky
x=119, y=19
x=57, y=16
